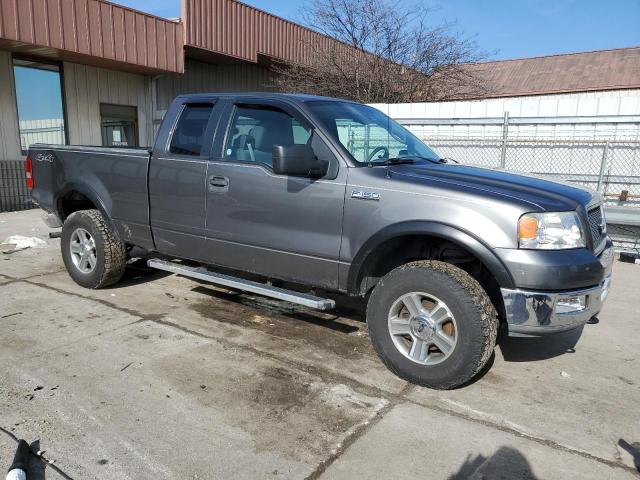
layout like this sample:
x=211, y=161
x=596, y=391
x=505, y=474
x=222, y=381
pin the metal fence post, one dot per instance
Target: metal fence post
x=603, y=166
x=505, y=133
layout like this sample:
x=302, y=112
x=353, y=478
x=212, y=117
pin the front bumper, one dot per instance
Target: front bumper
x=534, y=312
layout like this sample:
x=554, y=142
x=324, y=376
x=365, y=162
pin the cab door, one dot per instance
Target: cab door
x=275, y=225
x=177, y=178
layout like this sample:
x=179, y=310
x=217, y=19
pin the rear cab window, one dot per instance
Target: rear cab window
x=189, y=133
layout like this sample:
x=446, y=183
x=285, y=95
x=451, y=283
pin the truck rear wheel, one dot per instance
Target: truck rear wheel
x=93, y=255
x=432, y=324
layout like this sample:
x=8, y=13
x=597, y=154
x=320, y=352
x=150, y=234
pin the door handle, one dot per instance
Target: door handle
x=218, y=184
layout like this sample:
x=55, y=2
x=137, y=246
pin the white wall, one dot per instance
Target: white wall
x=577, y=151
x=619, y=102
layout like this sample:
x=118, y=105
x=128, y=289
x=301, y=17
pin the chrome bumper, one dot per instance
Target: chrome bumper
x=539, y=313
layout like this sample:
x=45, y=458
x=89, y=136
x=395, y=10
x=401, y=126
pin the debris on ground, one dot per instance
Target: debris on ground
x=21, y=242
x=630, y=257
x=7, y=252
x=126, y=366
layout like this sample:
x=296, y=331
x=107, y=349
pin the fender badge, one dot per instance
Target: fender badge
x=362, y=195
x=44, y=157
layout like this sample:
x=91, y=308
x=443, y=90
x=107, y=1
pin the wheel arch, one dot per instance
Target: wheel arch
x=365, y=258
x=73, y=188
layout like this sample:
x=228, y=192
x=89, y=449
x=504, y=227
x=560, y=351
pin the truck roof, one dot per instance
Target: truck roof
x=296, y=97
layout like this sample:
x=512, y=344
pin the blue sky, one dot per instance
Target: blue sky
x=38, y=93
x=505, y=28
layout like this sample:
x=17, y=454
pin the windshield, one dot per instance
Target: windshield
x=368, y=134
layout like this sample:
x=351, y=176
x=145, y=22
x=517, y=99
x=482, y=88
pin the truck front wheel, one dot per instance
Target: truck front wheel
x=432, y=324
x=93, y=255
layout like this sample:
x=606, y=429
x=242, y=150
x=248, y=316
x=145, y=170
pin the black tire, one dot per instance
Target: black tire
x=475, y=316
x=111, y=252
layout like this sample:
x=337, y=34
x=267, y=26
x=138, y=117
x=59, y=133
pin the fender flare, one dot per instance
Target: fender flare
x=435, y=229
x=88, y=192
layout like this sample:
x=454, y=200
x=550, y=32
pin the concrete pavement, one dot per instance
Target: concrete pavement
x=164, y=377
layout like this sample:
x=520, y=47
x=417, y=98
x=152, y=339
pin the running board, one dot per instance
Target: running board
x=201, y=273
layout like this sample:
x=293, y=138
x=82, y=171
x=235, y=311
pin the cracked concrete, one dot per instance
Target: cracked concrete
x=164, y=377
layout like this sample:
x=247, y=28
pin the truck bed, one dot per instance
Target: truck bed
x=113, y=178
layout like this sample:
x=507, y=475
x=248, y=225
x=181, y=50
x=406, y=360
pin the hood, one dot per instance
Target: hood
x=541, y=192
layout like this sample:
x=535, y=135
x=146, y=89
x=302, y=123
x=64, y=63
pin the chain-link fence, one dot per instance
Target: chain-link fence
x=601, y=152
x=611, y=167
x=49, y=131
x=14, y=194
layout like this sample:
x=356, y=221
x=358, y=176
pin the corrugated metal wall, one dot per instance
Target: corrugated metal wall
x=9, y=136
x=202, y=77
x=238, y=30
x=86, y=87
x=14, y=194
x=95, y=28
x=13, y=191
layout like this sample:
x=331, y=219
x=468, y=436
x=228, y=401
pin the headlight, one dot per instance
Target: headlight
x=550, y=231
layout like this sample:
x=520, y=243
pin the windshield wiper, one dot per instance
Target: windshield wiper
x=448, y=159
x=392, y=161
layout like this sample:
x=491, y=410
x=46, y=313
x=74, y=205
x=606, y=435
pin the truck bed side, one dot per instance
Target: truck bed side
x=114, y=180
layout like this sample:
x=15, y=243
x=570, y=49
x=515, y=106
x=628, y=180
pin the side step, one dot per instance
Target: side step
x=245, y=285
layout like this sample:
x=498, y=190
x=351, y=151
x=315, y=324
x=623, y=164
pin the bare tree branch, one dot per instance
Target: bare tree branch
x=386, y=52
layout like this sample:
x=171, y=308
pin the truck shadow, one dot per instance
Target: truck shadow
x=337, y=331
x=349, y=317
x=138, y=273
x=632, y=449
x=332, y=320
x=507, y=462
x=36, y=466
x=531, y=349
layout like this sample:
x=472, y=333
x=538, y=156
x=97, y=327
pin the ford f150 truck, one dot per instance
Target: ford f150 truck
x=331, y=195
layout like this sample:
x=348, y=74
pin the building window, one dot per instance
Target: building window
x=40, y=103
x=119, y=125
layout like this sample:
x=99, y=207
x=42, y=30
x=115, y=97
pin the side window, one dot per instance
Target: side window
x=189, y=133
x=255, y=130
x=363, y=139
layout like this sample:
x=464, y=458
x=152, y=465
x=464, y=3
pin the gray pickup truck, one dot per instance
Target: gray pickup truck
x=328, y=195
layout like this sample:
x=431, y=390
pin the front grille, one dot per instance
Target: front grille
x=595, y=220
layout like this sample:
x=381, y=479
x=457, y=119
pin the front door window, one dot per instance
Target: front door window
x=256, y=130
